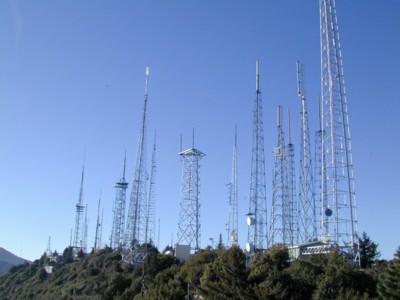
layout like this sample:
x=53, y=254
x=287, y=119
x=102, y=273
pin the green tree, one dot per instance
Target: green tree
x=167, y=284
x=389, y=279
x=226, y=277
x=304, y=276
x=342, y=280
x=368, y=251
x=194, y=267
x=268, y=275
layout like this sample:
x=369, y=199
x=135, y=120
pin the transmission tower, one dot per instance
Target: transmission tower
x=292, y=212
x=318, y=174
x=278, y=231
x=257, y=216
x=136, y=222
x=189, y=214
x=97, y=238
x=49, y=253
x=233, y=199
x=151, y=205
x=118, y=225
x=338, y=194
x=307, y=212
x=86, y=231
x=283, y=224
x=79, y=232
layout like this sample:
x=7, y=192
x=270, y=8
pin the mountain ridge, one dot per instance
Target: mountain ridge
x=8, y=260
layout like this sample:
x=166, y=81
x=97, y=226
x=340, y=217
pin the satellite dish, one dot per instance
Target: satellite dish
x=328, y=212
x=250, y=220
x=249, y=247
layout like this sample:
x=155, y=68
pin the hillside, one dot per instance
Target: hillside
x=213, y=274
x=8, y=260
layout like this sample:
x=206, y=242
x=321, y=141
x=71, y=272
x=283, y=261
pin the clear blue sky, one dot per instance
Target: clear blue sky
x=72, y=81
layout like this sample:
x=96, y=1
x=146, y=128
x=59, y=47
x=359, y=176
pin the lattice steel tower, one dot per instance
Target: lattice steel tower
x=233, y=199
x=151, y=205
x=99, y=225
x=79, y=232
x=307, y=212
x=291, y=191
x=135, y=232
x=257, y=216
x=338, y=194
x=118, y=225
x=280, y=210
x=189, y=214
x=283, y=222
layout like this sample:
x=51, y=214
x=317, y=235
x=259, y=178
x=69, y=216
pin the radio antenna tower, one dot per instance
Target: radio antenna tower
x=189, y=214
x=307, y=213
x=97, y=238
x=118, y=225
x=151, y=206
x=86, y=231
x=339, y=222
x=257, y=216
x=278, y=229
x=79, y=232
x=233, y=199
x=318, y=174
x=292, y=212
x=136, y=222
x=49, y=253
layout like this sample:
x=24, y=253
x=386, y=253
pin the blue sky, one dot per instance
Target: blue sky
x=72, y=79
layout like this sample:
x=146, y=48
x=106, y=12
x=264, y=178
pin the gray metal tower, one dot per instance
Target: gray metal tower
x=135, y=232
x=257, y=216
x=339, y=222
x=189, y=214
x=283, y=222
x=291, y=191
x=151, y=205
x=118, y=225
x=280, y=210
x=307, y=212
x=318, y=174
x=233, y=199
x=79, y=232
x=86, y=231
x=97, y=237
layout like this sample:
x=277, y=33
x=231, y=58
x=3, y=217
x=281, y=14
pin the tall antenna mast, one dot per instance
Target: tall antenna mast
x=278, y=230
x=48, y=250
x=291, y=220
x=79, y=232
x=340, y=225
x=98, y=224
x=136, y=222
x=118, y=225
x=233, y=198
x=257, y=216
x=307, y=212
x=86, y=231
x=151, y=206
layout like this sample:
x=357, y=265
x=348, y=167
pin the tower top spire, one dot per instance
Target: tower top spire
x=147, y=80
x=257, y=77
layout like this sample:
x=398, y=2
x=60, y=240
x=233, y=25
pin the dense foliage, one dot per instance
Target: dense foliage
x=213, y=274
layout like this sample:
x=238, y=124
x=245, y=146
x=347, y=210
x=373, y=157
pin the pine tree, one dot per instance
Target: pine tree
x=389, y=280
x=368, y=251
